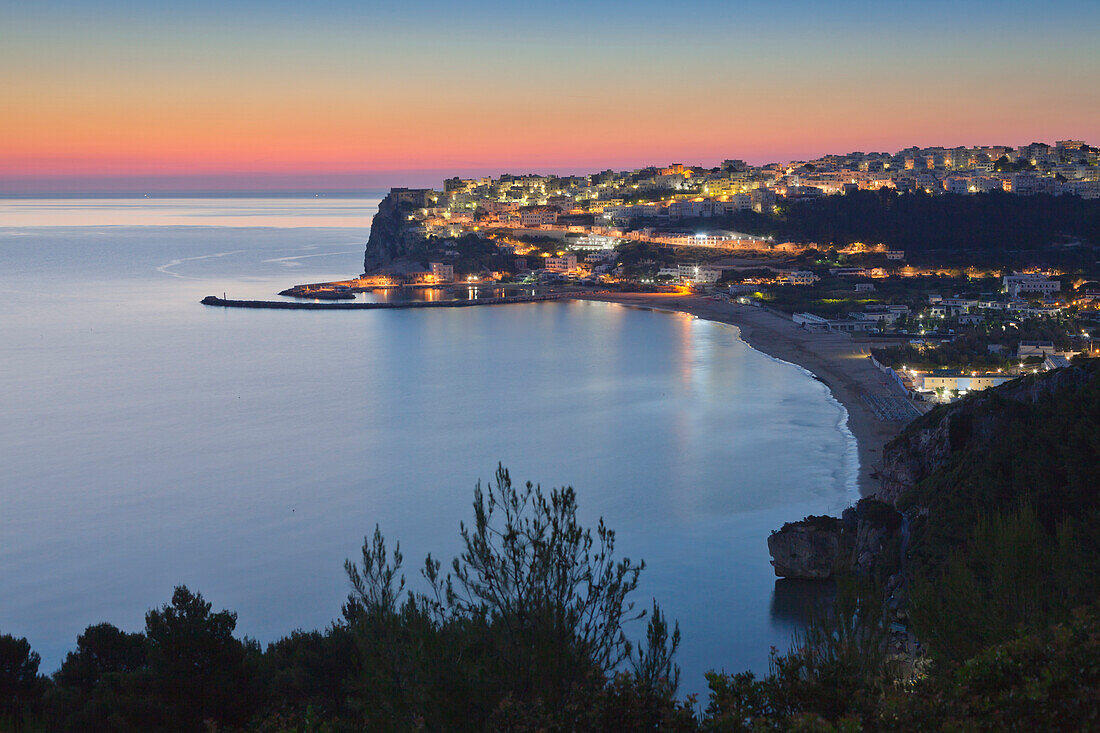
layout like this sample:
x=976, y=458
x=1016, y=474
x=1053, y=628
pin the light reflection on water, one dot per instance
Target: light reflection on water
x=149, y=440
x=432, y=294
x=276, y=211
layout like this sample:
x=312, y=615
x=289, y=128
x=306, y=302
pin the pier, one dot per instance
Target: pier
x=290, y=305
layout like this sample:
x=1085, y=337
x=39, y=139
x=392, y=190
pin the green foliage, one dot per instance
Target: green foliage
x=529, y=568
x=186, y=669
x=1045, y=680
x=653, y=668
x=1043, y=452
x=307, y=677
x=530, y=618
x=101, y=650
x=995, y=226
x=1011, y=574
x=196, y=666
x=20, y=686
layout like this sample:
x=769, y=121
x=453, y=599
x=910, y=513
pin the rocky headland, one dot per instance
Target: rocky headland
x=392, y=236
x=941, y=476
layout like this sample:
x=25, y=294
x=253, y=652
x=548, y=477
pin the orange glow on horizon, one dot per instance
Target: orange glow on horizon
x=140, y=96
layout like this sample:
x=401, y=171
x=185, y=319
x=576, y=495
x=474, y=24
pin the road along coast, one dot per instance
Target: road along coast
x=837, y=360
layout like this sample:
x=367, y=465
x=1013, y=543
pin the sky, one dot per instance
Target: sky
x=128, y=95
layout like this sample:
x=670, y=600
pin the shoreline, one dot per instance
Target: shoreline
x=836, y=360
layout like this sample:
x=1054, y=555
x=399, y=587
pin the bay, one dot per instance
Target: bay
x=149, y=441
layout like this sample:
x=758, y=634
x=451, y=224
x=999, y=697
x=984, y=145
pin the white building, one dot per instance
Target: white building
x=1030, y=282
x=602, y=255
x=962, y=381
x=817, y=324
x=698, y=274
x=565, y=263
x=595, y=242
x=801, y=277
x=442, y=273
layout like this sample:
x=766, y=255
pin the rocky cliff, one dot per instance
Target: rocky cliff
x=817, y=548
x=946, y=469
x=929, y=443
x=1033, y=441
x=931, y=474
x=810, y=549
x=391, y=236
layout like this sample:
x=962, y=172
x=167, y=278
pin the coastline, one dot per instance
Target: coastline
x=836, y=360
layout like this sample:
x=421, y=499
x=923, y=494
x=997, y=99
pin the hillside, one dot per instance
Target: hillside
x=989, y=228
x=1035, y=441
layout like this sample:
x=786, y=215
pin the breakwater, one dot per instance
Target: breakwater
x=285, y=305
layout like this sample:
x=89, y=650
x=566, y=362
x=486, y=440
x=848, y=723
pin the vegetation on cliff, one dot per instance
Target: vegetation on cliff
x=992, y=227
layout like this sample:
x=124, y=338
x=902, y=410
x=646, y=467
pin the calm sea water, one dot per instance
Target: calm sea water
x=148, y=440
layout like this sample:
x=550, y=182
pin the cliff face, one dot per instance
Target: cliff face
x=975, y=424
x=390, y=236
x=1024, y=438
x=808, y=550
x=816, y=548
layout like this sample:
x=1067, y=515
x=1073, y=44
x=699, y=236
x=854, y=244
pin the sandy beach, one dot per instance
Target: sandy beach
x=836, y=359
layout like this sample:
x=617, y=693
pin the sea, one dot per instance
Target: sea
x=148, y=441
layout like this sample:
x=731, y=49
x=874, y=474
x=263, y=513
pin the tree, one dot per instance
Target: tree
x=526, y=627
x=197, y=667
x=101, y=650
x=1010, y=574
x=555, y=593
x=103, y=685
x=20, y=686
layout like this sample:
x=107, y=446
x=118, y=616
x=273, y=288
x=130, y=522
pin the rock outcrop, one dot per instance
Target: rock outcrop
x=392, y=236
x=808, y=550
x=817, y=548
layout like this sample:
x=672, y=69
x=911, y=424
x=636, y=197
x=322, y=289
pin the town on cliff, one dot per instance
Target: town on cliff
x=966, y=267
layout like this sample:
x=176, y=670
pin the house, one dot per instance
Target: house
x=698, y=274
x=603, y=255
x=536, y=216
